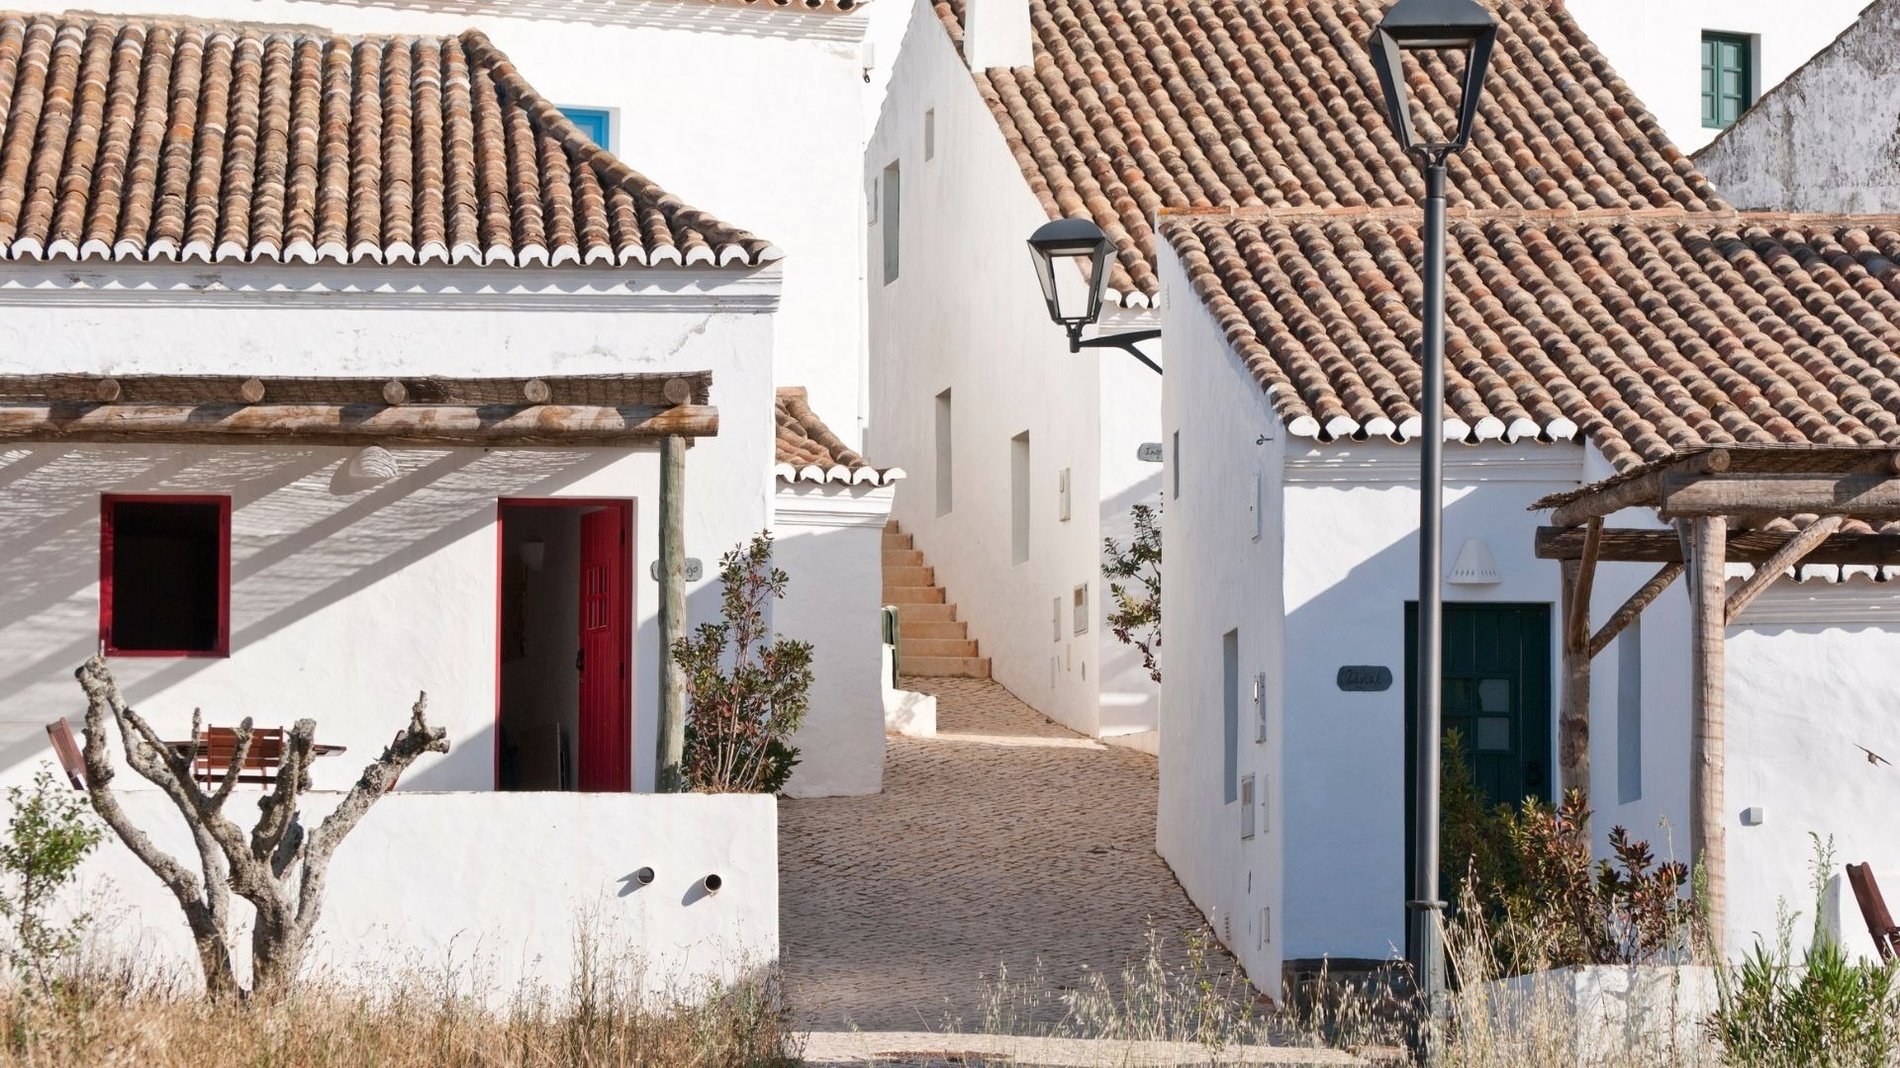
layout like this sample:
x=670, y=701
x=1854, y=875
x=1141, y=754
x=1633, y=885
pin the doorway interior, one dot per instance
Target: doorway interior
x=564, y=658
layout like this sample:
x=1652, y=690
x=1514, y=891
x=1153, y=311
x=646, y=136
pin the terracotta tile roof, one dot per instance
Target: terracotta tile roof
x=807, y=450
x=1649, y=332
x=138, y=138
x=1138, y=106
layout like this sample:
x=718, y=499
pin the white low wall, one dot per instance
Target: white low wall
x=494, y=885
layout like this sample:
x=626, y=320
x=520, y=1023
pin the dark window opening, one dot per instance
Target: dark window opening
x=164, y=574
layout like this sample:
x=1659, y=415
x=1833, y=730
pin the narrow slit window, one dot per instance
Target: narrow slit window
x=1230, y=716
x=1629, y=713
x=165, y=576
x=1019, y=498
x=946, y=491
x=893, y=203
x=930, y=133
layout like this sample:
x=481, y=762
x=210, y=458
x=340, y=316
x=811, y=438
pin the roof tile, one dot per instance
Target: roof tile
x=139, y=138
x=807, y=450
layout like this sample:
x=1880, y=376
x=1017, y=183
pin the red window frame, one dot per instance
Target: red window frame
x=107, y=504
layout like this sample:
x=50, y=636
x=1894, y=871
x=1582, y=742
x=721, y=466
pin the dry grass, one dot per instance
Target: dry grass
x=413, y=1021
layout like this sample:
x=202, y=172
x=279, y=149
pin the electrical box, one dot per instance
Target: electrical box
x=1246, y=807
x=1256, y=522
x=1062, y=495
x=1260, y=708
x=1082, y=609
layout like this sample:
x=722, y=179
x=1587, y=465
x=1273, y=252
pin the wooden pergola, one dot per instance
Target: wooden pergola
x=666, y=410
x=1717, y=498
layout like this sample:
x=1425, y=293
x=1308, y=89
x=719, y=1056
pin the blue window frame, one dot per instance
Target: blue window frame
x=596, y=123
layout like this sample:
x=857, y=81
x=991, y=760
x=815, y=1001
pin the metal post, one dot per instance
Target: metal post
x=672, y=733
x=1427, y=910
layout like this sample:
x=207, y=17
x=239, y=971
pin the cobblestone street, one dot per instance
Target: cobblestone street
x=1004, y=841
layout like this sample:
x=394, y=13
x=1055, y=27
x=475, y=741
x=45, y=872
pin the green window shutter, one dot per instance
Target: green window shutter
x=1728, y=78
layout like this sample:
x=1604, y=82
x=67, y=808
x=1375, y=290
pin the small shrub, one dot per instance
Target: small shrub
x=1136, y=618
x=1829, y=1011
x=746, y=690
x=49, y=833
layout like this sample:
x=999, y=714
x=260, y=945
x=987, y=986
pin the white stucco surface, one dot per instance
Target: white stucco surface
x=425, y=882
x=965, y=314
x=686, y=84
x=1824, y=140
x=346, y=599
x=829, y=540
x=1656, y=47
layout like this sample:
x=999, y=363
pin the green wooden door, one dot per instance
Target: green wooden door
x=1728, y=78
x=1497, y=697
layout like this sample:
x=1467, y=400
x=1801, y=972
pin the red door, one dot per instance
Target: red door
x=606, y=742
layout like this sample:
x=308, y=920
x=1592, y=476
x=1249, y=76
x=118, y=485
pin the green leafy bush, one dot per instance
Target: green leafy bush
x=1134, y=575
x=1829, y=1012
x=746, y=689
x=49, y=833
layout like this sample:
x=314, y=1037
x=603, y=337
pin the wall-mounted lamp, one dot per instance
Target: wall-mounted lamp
x=534, y=553
x=1081, y=242
x=373, y=463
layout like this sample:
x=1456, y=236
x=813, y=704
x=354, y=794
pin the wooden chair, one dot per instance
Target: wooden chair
x=217, y=745
x=67, y=750
x=1873, y=909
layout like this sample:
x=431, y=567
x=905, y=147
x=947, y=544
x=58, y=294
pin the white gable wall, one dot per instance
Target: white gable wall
x=1656, y=48
x=345, y=601
x=1824, y=141
x=965, y=314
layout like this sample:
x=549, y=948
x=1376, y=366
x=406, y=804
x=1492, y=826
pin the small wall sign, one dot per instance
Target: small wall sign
x=1365, y=678
x=1148, y=452
x=694, y=569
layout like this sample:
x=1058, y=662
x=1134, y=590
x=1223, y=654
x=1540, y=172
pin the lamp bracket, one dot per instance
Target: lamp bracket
x=1125, y=342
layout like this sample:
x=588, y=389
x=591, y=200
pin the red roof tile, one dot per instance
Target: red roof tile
x=1649, y=332
x=808, y=451
x=1138, y=106
x=138, y=138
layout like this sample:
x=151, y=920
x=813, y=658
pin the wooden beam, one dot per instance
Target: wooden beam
x=1642, y=490
x=1864, y=496
x=1708, y=829
x=1573, y=713
x=647, y=389
x=1744, y=547
x=353, y=424
x=1791, y=554
x=671, y=741
x=1633, y=607
x=1577, y=619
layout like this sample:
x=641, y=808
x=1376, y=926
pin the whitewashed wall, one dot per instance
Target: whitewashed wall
x=345, y=600
x=829, y=538
x=752, y=114
x=1219, y=578
x=425, y=884
x=965, y=314
x=1657, y=47
x=1824, y=141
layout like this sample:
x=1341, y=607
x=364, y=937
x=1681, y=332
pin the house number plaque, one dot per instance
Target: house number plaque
x=694, y=569
x=1365, y=678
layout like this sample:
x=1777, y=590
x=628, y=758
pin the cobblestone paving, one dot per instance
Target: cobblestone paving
x=1005, y=841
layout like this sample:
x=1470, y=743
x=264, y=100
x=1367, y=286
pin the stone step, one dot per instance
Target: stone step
x=910, y=628
x=898, y=541
x=962, y=667
x=910, y=576
x=891, y=526
x=907, y=595
x=954, y=648
x=924, y=613
x=902, y=558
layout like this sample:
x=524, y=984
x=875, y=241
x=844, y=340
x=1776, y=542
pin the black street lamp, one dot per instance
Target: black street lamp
x=1081, y=242
x=1450, y=28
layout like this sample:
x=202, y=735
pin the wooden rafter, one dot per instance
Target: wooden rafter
x=606, y=391
x=1791, y=554
x=1865, y=496
x=332, y=424
x=1747, y=547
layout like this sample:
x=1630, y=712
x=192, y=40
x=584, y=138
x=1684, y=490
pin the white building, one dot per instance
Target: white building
x=1821, y=140
x=1022, y=456
x=337, y=367
x=1697, y=64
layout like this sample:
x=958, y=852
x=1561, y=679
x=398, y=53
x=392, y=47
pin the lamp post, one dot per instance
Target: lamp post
x=1448, y=28
x=1073, y=307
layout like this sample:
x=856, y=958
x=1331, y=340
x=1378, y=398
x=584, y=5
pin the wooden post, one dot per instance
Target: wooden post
x=1573, y=718
x=672, y=735
x=1708, y=629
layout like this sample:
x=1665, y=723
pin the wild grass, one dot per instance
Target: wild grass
x=411, y=1019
